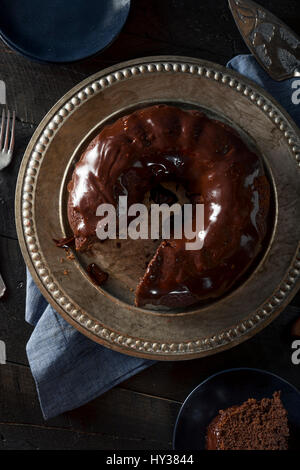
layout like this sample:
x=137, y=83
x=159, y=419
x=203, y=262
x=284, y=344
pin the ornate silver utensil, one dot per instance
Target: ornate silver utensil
x=7, y=138
x=275, y=46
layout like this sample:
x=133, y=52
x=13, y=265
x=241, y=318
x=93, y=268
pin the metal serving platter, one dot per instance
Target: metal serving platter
x=107, y=315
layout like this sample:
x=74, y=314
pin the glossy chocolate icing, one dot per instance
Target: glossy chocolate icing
x=162, y=143
x=214, y=430
x=213, y=434
x=98, y=276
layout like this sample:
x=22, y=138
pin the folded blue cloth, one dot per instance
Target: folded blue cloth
x=282, y=91
x=70, y=369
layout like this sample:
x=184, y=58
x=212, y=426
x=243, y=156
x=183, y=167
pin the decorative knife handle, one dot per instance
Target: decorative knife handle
x=273, y=43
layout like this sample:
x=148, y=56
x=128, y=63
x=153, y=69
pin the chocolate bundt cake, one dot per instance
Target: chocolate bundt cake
x=164, y=143
x=254, y=425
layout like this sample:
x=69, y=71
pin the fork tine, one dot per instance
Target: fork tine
x=7, y=132
x=12, y=137
x=2, y=127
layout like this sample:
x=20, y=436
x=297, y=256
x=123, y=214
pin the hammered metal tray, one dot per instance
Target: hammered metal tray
x=107, y=315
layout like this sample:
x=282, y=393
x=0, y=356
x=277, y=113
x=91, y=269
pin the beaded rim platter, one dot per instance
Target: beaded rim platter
x=104, y=318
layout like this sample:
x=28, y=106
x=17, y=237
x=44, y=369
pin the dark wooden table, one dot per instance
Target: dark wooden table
x=141, y=412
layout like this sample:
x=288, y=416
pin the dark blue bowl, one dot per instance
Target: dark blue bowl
x=225, y=389
x=61, y=30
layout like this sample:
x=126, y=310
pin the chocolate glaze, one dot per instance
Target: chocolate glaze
x=209, y=159
x=212, y=434
x=98, y=276
x=65, y=242
x=214, y=430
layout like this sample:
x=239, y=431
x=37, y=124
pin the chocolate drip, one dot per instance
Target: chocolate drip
x=65, y=242
x=98, y=276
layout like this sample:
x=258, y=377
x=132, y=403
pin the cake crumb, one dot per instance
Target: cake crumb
x=70, y=255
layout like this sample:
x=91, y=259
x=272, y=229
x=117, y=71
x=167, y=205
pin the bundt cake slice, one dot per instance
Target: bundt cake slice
x=254, y=425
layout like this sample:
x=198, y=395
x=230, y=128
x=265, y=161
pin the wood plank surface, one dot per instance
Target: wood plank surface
x=141, y=412
x=106, y=423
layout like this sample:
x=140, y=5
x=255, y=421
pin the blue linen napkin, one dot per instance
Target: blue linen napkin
x=281, y=91
x=69, y=369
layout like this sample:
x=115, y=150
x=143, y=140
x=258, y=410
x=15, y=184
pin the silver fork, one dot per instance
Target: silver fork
x=7, y=141
x=7, y=138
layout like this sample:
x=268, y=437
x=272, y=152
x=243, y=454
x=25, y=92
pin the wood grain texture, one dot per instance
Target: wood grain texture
x=107, y=422
x=139, y=414
x=13, y=329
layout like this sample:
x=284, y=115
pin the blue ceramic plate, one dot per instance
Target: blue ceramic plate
x=228, y=388
x=59, y=30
